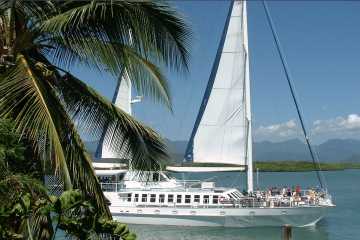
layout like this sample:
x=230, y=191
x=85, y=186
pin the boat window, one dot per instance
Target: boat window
x=144, y=197
x=123, y=196
x=215, y=199
x=197, y=198
x=162, y=178
x=161, y=198
x=170, y=198
x=152, y=197
x=237, y=194
x=178, y=198
x=231, y=197
x=136, y=198
x=120, y=177
x=155, y=177
x=206, y=199
x=129, y=197
x=187, y=198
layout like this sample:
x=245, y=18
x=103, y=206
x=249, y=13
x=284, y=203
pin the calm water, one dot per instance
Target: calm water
x=342, y=222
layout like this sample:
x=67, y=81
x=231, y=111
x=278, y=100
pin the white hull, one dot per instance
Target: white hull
x=223, y=217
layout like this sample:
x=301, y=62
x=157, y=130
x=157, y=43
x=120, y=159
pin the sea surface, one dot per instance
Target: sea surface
x=341, y=223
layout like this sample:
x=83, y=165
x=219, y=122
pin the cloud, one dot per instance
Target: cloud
x=321, y=130
x=340, y=125
x=279, y=131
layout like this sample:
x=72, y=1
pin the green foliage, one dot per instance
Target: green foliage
x=20, y=196
x=16, y=152
x=297, y=166
x=10, y=146
x=79, y=217
x=39, y=39
x=27, y=212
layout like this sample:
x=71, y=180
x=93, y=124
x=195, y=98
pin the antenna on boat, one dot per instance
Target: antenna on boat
x=313, y=153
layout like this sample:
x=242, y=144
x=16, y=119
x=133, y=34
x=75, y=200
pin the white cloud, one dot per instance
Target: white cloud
x=321, y=130
x=347, y=125
x=279, y=131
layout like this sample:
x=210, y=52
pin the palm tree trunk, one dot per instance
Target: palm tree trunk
x=9, y=28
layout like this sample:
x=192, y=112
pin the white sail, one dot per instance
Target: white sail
x=123, y=95
x=122, y=99
x=221, y=134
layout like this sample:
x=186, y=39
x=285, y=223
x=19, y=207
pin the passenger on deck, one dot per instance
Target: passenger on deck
x=289, y=192
x=298, y=190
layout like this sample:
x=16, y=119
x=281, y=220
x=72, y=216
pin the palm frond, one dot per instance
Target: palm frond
x=145, y=76
x=78, y=160
x=22, y=96
x=166, y=36
x=93, y=113
x=29, y=9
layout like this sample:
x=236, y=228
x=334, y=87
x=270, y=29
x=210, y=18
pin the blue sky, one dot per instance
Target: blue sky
x=321, y=40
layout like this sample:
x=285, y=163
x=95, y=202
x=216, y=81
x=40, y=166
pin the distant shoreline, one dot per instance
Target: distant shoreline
x=302, y=166
x=286, y=166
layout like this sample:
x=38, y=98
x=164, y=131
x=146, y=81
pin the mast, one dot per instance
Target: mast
x=249, y=173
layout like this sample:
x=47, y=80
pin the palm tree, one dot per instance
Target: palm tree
x=40, y=40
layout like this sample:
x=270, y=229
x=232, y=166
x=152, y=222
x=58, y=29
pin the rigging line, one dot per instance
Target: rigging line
x=291, y=86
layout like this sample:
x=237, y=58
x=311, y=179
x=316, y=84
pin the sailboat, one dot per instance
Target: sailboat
x=221, y=135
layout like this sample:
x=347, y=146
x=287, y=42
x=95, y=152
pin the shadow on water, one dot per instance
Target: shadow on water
x=214, y=233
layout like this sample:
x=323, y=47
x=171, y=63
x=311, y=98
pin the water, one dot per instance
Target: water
x=342, y=222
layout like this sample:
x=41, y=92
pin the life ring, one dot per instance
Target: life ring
x=222, y=199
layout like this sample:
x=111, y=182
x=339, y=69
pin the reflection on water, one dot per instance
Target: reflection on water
x=215, y=233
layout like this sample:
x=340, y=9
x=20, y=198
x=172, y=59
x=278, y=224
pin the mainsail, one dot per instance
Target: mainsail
x=122, y=99
x=222, y=131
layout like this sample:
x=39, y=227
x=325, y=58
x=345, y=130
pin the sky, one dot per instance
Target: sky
x=321, y=41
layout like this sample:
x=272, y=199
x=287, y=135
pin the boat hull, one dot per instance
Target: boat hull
x=223, y=217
